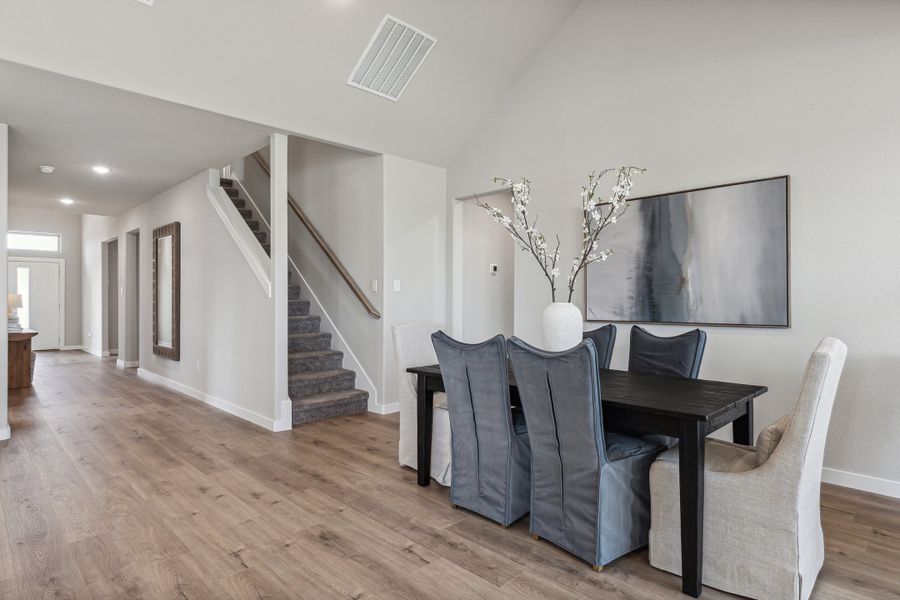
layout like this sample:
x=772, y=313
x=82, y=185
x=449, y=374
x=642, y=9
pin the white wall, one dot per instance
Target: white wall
x=4, y=202
x=488, y=298
x=95, y=231
x=703, y=93
x=340, y=191
x=415, y=252
x=68, y=225
x=226, y=318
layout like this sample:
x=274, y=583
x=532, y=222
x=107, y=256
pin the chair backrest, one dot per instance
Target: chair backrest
x=678, y=356
x=604, y=339
x=803, y=446
x=412, y=348
x=476, y=379
x=560, y=393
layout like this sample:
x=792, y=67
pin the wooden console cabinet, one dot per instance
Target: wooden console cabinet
x=20, y=358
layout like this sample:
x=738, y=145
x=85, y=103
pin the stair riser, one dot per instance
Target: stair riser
x=261, y=236
x=253, y=225
x=298, y=308
x=294, y=291
x=349, y=407
x=232, y=192
x=338, y=383
x=246, y=213
x=307, y=364
x=316, y=344
x=310, y=325
x=238, y=202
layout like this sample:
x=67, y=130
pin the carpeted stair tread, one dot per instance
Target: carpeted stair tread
x=329, y=406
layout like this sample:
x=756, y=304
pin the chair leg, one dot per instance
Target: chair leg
x=535, y=536
x=598, y=568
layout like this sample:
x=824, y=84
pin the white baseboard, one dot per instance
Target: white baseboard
x=91, y=352
x=105, y=354
x=384, y=409
x=286, y=423
x=113, y=352
x=75, y=347
x=223, y=405
x=5, y=432
x=126, y=364
x=866, y=483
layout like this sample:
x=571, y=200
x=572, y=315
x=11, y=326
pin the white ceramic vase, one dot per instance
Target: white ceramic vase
x=562, y=325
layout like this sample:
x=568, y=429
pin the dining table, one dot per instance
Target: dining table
x=686, y=409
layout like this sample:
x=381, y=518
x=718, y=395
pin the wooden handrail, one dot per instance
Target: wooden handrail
x=348, y=279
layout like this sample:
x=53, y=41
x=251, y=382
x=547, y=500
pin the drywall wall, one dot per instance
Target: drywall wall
x=112, y=298
x=488, y=298
x=95, y=231
x=226, y=319
x=68, y=225
x=4, y=203
x=415, y=253
x=340, y=191
x=721, y=92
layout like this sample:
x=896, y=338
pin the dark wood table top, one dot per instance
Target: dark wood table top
x=695, y=399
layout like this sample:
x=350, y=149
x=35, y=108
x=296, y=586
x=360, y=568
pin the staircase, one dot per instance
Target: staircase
x=318, y=386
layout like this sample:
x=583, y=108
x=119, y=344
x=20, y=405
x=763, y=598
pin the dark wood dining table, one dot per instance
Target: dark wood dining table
x=687, y=409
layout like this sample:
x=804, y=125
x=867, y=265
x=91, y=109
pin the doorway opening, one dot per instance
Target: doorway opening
x=111, y=297
x=40, y=284
x=129, y=356
x=484, y=261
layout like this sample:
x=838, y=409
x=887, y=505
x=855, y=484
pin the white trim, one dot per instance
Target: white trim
x=73, y=347
x=857, y=481
x=286, y=423
x=5, y=433
x=105, y=354
x=91, y=352
x=62, y=288
x=223, y=405
x=126, y=364
x=385, y=409
x=243, y=237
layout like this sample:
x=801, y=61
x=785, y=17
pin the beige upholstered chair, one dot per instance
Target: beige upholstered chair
x=413, y=348
x=762, y=530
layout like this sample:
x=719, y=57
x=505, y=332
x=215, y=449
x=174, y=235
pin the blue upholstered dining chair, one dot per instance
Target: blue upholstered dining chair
x=491, y=459
x=678, y=356
x=604, y=339
x=590, y=489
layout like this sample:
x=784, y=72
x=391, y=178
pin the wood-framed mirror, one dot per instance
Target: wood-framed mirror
x=167, y=291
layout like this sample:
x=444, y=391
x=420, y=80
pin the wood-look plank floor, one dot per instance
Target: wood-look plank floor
x=112, y=487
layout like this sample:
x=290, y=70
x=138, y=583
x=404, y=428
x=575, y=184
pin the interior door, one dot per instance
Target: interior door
x=38, y=283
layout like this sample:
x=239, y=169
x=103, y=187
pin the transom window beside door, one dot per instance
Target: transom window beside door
x=39, y=242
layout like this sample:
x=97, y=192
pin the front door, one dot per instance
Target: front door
x=38, y=284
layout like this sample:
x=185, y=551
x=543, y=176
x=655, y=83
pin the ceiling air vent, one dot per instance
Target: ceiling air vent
x=393, y=56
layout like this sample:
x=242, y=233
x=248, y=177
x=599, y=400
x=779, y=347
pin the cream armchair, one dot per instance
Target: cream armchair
x=413, y=348
x=762, y=529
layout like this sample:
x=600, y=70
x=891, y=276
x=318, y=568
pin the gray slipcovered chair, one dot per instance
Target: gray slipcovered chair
x=491, y=459
x=590, y=489
x=678, y=356
x=604, y=339
x=762, y=526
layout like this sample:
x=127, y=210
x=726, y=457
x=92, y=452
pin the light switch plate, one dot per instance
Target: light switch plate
x=396, y=285
x=374, y=286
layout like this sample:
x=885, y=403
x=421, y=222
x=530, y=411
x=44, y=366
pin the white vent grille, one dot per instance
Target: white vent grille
x=393, y=56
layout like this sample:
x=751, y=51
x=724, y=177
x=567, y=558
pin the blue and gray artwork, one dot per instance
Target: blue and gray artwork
x=716, y=256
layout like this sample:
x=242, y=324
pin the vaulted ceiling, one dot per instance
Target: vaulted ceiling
x=284, y=63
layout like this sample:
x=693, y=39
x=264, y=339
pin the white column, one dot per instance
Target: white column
x=4, y=337
x=278, y=146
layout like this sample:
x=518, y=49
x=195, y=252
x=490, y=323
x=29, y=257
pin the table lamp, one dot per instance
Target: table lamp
x=13, y=301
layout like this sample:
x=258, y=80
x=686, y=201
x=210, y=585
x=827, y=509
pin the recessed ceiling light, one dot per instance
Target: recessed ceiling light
x=100, y=169
x=67, y=201
x=47, y=169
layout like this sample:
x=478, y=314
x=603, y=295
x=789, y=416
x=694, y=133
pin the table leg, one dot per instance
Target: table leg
x=692, y=460
x=742, y=427
x=424, y=419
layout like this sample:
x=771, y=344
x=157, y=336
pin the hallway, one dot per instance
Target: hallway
x=112, y=487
